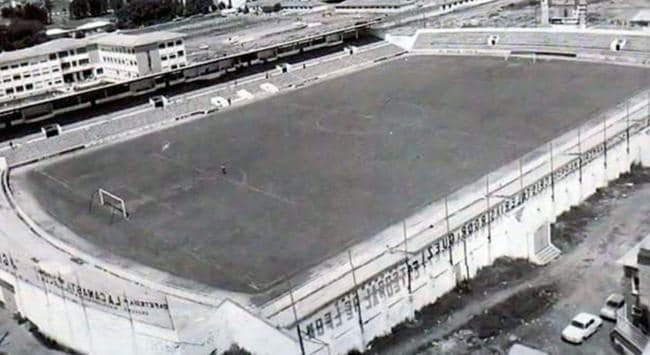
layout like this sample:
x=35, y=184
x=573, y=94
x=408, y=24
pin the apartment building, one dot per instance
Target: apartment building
x=67, y=64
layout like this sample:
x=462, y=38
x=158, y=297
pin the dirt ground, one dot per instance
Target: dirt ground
x=533, y=304
x=16, y=338
x=500, y=276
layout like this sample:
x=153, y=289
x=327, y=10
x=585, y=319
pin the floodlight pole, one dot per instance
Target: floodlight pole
x=487, y=200
x=406, y=258
x=451, y=257
x=295, y=316
x=356, y=294
x=550, y=147
x=627, y=126
x=579, y=156
x=133, y=335
x=83, y=307
x=605, y=143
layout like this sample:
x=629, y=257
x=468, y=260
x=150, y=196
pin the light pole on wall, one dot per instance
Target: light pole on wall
x=406, y=253
x=295, y=316
x=451, y=257
x=356, y=295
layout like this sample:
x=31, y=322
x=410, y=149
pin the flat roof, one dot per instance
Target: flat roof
x=137, y=40
x=110, y=39
x=642, y=15
x=311, y=172
x=53, y=46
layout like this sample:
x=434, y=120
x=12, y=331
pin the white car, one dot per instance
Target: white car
x=613, y=303
x=581, y=327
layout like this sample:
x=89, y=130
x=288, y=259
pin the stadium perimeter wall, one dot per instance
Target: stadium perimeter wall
x=507, y=213
x=95, y=312
x=379, y=283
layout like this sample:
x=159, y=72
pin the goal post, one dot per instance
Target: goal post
x=113, y=201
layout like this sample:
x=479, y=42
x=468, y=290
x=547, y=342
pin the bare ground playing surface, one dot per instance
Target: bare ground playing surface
x=314, y=171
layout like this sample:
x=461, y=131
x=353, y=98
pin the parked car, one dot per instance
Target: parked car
x=613, y=303
x=581, y=327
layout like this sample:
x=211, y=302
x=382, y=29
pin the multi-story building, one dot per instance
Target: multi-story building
x=125, y=57
x=632, y=332
x=65, y=64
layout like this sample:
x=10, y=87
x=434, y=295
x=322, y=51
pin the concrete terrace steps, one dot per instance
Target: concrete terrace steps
x=546, y=255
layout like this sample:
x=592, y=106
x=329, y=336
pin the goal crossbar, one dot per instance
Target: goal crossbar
x=117, y=204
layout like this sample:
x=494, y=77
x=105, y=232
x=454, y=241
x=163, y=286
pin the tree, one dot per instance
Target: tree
x=21, y=33
x=147, y=12
x=96, y=7
x=198, y=7
x=47, y=4
x=78, y=9
x=33, y=12
x=116, y=4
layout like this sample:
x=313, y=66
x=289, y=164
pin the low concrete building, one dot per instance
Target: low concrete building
x=125, y=57
x=65, y=63
x=641, y=19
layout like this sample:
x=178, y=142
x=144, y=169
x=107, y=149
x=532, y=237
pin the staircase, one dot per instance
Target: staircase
x=546, y=255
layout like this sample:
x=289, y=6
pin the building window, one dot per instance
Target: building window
x=29, y=86
x=178, y=42
x=181, y=53
x=24, y=64
x=52, y=56
x=5, y=67
x=100, y=71
x=17, y=77
x=19, y=89
x=10, y=91
x=161, y=46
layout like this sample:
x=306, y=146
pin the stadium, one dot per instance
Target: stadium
x=328, y=202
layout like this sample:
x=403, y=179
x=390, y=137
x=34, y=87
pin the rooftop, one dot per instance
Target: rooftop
x=46, y=48
x=130, y=40
x=111, y=39
x=642, y=16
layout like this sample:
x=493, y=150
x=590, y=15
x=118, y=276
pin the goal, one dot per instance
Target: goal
x=112, y=201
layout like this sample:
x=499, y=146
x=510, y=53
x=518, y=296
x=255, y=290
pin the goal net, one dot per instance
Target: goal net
x=113, y=202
